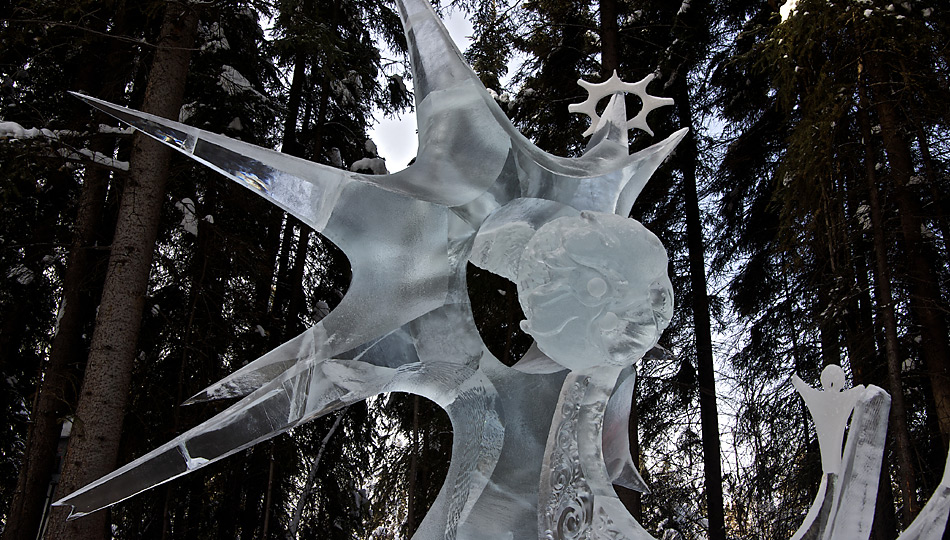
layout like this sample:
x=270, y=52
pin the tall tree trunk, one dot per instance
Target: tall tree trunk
x=688, y=33
x=311, y=478
x=411, y=519
x=82, y=286
x=882, y=284
x=94, y=443
x=609, y=38
x=255, y=486
x=56, y=397
x=268, y=495
x=925, y=298
x=708, y=410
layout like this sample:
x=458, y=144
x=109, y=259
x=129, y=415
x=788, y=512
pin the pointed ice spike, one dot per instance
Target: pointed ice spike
x=273, y=409
x=612, y=125
x=647, y=162
x=312, y=388
x=259, y=372
x=447, y=172
x=616, y=438
x=437, y=63
x=307, y=190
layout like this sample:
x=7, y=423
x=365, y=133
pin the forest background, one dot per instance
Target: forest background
x=805, y=217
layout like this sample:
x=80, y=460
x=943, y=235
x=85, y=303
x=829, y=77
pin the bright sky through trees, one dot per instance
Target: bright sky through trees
x=395, y=137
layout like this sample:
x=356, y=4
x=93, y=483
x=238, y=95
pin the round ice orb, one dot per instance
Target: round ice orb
x=594, y=289
x=597, y=287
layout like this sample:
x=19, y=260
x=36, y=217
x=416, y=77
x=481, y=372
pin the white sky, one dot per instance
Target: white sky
x=396, y=138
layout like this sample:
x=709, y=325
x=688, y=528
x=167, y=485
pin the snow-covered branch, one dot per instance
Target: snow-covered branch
x=12, y=131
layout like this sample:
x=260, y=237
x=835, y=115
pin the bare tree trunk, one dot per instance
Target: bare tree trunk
x=708, y=410
x=688, y=27
x=271, y=472
x=882, y=283
x=94, y=444
x=413, y=470
x=56, y=396
x=609, y=38
x=82, y=286
x=311, y=477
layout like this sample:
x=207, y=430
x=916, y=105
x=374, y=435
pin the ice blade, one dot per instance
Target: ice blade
x=305, y=189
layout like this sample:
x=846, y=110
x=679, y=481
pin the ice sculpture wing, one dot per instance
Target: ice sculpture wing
x=312, y=387
x=931, y=522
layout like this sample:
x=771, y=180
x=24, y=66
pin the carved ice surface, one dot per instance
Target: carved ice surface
x=830, y=410
x=535, y=446
x=844, y=506
x=594, y=290
x=593, y=284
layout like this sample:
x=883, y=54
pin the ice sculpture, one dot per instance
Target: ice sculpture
x=537, y=445
x=543, y=439
x=844, y=506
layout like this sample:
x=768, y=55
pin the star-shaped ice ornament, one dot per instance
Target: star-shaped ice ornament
x=614, y=86
x=536, y=446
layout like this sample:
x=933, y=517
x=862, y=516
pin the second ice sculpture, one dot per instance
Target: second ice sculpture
x=844, y=506
x=543, y=439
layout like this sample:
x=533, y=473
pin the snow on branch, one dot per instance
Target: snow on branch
x=12, y=131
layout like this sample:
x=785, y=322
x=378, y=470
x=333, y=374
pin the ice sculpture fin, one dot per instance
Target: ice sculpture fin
x=646, y=162
x=584, y=506
x=616, y=438
x=303, y=188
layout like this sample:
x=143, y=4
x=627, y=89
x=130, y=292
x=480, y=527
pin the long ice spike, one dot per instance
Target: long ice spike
x=305, y=189
x=298, y=395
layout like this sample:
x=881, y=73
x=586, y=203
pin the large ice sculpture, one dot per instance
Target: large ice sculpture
x=543, y=439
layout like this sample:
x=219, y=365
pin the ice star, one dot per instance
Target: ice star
x=528, y=439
